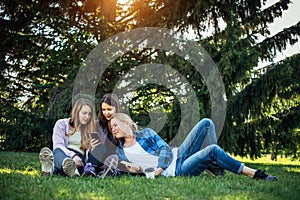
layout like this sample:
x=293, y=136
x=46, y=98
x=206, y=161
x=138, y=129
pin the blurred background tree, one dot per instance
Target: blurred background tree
x=43, y=44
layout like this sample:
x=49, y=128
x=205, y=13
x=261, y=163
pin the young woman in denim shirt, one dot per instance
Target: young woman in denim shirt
x=146, y=149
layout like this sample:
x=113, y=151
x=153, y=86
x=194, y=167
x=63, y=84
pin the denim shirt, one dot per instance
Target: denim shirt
x=152, y=143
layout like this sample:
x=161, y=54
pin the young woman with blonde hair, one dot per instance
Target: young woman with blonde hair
x=71, y=141
x=146, y=149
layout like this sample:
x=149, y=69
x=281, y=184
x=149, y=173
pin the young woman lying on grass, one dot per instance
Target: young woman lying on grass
x=145, y=149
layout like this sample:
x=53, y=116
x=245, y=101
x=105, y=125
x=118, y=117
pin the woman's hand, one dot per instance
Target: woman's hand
x=133, y=168
x=94, y=143
x=158, y=171
x=78, y=161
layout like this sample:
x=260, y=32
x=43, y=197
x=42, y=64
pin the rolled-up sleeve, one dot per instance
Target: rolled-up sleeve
x=59, y=136
x=155, y=145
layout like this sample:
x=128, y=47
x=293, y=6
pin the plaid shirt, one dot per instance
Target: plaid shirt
x=152, y=143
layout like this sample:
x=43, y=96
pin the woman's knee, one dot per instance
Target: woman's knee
x=206, y=122
x=58, y=151
x=213, y=147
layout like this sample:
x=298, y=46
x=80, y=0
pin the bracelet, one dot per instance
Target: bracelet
x=74, y=155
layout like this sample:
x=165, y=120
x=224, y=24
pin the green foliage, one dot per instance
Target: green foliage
x=43, y=44
x=254, y=116
x=265, y=112
x=24, y=131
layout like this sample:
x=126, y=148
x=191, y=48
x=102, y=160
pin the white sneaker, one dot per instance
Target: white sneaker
x=47, y=161
x=69, y=167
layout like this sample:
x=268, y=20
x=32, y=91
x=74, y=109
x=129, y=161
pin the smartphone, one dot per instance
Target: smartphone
x=95, y=135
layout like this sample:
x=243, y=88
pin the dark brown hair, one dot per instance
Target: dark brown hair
x=112, y=100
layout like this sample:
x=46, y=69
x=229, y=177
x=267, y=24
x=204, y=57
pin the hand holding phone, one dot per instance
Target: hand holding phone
x=95, y=135
x=95, y=140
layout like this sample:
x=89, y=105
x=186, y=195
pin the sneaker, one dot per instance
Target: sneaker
x=47, y=161
x=89, y=169
x=261, y=174
x=110, y=167
x=69, y=167
x=215, y=170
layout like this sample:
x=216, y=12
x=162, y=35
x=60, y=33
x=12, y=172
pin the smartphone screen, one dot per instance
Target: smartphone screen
x=95, y=135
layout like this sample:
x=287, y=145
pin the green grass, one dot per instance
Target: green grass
x=20, y=179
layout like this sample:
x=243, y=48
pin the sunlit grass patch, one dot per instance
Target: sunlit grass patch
x=267, y=160
x=27, y=171
x=292, y=169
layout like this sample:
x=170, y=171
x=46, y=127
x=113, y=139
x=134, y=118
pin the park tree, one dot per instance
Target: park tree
x=263, y=104
x=45, y=42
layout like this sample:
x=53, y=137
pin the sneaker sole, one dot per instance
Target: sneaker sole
x=111, y=162
x=46, y=159
x=69, y=167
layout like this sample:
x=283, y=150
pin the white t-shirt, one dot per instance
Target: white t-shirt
x=74, y=142
x=170, y=171
x=137, y=155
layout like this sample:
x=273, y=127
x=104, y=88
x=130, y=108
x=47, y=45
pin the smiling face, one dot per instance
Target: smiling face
x=85, y=114
x=116, y=130
x=107, y=111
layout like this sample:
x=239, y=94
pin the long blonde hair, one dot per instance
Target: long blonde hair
x=85, y=129
x=124, y=119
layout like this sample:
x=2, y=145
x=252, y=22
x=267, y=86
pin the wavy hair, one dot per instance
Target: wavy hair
x=121, y=119
x=85, y=129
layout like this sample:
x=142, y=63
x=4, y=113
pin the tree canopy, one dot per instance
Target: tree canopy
x=44, y=43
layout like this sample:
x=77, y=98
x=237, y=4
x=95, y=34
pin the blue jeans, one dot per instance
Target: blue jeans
x=59, y=157
x=96, y=157
x=200, y=149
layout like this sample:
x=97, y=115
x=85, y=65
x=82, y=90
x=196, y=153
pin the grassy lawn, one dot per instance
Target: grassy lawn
x=20, y=179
